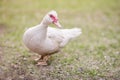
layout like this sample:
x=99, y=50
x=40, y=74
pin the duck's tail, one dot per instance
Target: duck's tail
x=72, y=33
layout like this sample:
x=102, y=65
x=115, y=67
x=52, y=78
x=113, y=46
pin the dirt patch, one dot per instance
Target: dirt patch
x=1, y=50
x=2, y=31
x=2, y=28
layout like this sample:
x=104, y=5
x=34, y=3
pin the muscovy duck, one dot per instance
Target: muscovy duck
x=46, y=40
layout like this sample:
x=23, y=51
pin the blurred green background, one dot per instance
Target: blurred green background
x=95, y=55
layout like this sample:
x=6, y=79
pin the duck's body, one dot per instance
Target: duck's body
x=37, y=40
x=46, y=40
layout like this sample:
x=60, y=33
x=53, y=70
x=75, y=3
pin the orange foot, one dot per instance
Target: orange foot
x=42, y=63
x=42, y=60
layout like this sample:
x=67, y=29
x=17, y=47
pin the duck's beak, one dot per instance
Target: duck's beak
x=58, y=24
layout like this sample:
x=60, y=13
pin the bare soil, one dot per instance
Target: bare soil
x=2, y=28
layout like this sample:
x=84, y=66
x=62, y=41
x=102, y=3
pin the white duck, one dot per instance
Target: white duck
x=46, y=40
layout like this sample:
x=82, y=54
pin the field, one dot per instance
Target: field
x=94, y=55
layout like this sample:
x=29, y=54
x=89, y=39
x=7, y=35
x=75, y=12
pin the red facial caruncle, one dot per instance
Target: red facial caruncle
x=53, y=18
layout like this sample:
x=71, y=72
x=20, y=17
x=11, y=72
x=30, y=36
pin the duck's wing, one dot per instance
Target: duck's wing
x=55, y=34
x=63, y=35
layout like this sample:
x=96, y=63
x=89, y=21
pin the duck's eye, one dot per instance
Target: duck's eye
x=51, y=15
x=53, y=18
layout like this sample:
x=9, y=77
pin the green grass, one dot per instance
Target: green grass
x=95, y=55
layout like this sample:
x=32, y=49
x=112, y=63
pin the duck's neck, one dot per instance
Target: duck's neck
x=43, y=30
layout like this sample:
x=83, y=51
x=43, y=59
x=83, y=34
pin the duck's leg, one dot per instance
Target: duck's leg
x=43, y=60
x=38, y=58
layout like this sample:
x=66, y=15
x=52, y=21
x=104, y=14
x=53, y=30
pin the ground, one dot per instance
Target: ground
x=95, y=55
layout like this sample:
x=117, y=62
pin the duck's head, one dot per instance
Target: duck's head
x=51, y=17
